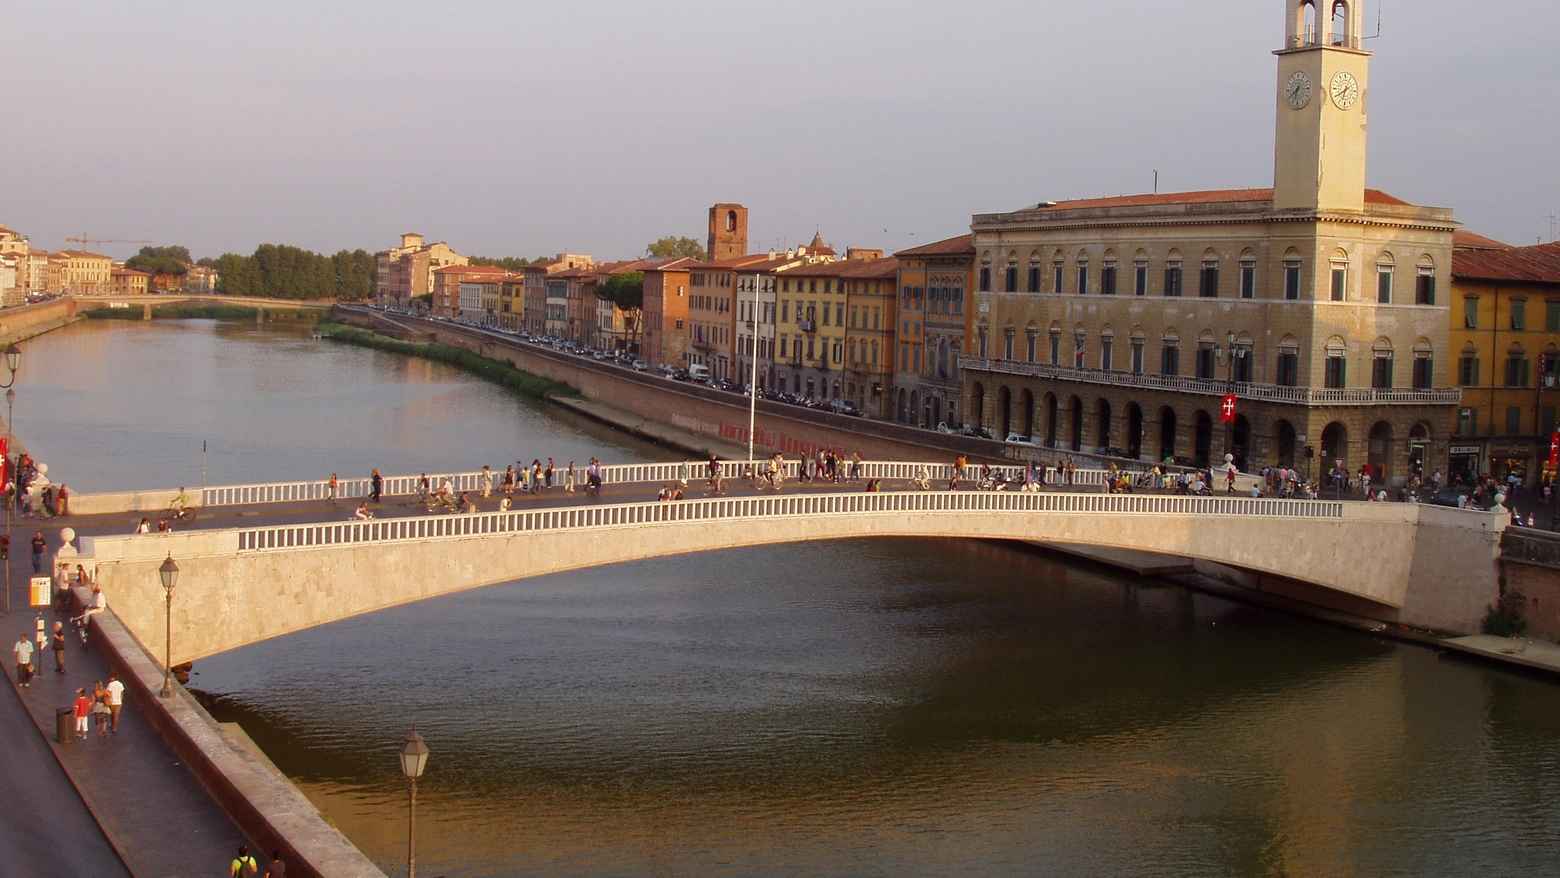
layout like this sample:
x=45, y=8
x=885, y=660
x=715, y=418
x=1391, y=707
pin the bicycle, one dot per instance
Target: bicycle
x=175, y=512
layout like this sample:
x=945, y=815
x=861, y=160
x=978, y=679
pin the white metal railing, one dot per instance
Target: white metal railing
x=629, y=473
x=1215, y=387
x=773, y=506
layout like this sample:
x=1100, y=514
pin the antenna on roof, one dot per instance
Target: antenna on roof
x=1377, y=34
x=1553, y=223
x=1156, y=182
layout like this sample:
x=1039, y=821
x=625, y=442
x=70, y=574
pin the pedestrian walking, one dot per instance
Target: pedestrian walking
x=40, y=551
x=509, y=479
x=330, y=490
x=547, y=473
x=487, y=481
x=57, y=643
x=243, y=865
x=64, y=499
x=376, y=484
x=23, y=651
x=116, y=701
x=568, y=484
x=100, y=709
x=278, y=869
x=82, y=710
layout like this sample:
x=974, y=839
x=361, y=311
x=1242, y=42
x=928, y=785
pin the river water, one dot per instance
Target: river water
x=870, y=707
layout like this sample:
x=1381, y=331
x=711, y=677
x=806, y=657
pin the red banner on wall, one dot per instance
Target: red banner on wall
x=1227, y=411
x=1554, y=449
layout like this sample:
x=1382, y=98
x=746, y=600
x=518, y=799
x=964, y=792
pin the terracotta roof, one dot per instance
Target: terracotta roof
x=127, y=272
x=964, y=244
x=871, y=269
x=471, y=269
x=1209, y=196
x=681, y=263
x=823, y=269
x=82, y=254
x=1537, y=264
x=733, y=262
x=1473, y=241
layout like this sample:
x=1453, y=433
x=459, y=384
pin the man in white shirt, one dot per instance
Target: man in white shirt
x=116, y=700
x=23, y=650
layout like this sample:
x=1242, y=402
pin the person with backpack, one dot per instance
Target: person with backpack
x=243, y=865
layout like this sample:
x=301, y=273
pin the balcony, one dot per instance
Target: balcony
x=807, y=325
x=1214, y=387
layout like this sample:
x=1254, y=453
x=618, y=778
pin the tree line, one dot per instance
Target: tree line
x=280, y=271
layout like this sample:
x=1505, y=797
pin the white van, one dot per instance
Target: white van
x=698, y=371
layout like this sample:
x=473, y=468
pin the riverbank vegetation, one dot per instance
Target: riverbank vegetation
x=500, y=372
x=206, y=312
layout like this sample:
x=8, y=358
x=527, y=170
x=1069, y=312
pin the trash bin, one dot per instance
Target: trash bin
x=65, y=725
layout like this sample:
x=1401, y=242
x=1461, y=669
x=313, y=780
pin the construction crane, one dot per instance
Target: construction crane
x=88, y=242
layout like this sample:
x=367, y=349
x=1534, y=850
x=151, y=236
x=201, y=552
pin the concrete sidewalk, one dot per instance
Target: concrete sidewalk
x=148, y=809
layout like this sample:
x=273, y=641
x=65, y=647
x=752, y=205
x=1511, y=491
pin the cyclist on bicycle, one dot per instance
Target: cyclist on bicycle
x=180, y=502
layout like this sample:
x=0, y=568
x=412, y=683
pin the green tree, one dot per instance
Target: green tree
x=280, y=271
x=160, y=260
x=627, y=291
x=676, y=248
x=507, y=263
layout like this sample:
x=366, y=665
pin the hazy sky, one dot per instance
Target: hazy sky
x=519, y=128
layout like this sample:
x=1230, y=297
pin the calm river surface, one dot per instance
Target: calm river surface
x=876, y=707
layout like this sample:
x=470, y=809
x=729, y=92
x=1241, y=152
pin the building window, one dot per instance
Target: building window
x=1548, y=423
x=1288, y=369
x=1034, y=277
x=1137, y=357
x=981, y=342
x=1424, y=368
x=1173, y=279
x=1107, y=353
x=1340, y=282
x=1007, y=344
x=1078, y=352
x=1552, y=316
x=1470, y=312
x=1513, y=420
x=1056, y=278
x=1206, y=358
x=1245, y=364
x=1208, y=281
x=1031, y=343
x=1170, y=360
x=1424, y=289
x=1517, y=370
x=1468, y=372
x=1012, y=277
x=1083, y=278
x=1292, y=279
x=1384, y=285
x=1248, y=280
x=985, y=279
x=1140, y=279
x=1519, y=314
x=1056, y=348
x=1381, y=372
x=1467, y=422
x=1108, y=279
x=1337, y=371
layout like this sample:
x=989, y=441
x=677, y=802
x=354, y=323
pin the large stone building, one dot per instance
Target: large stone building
x=870, y=293
x=404, y=273
x=1120, y=324
x=1505, y=336
x=447, y=281
x=666, y=313
x=80, y=272
x=728, y=232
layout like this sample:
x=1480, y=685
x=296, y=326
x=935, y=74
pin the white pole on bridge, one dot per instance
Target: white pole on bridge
x=753, y=386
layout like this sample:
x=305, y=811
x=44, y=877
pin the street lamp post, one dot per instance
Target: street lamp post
x=169, y=573
x=13, y=361
x=414, y=758
x=1234, y=354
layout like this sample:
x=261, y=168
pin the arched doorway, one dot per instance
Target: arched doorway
x=1134, y=431
x=1050, y=420
x=978, y=404
x=1335, y=447
x=915, y=407
x=1380, y=456
x=1241, y=442
x=1102, y=425
x=903, y=417
x=1027, y=406
x=1075, y=415
x=1418, y=448
x=1166, y=421
x=1202, y=444
x=1283, y=443
x=1004, y=412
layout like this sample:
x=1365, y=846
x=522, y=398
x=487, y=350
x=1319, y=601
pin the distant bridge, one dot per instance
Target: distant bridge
x=1420, y=565
x=156, y=300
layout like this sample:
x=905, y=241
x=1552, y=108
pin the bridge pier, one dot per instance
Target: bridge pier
x=146, y=312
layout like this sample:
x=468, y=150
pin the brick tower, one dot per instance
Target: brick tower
x=728, y=231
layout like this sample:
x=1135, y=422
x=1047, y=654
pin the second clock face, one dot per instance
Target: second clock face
x=1297, y=91
x=1345, y=90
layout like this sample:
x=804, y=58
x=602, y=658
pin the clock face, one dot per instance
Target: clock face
x=1345, y=90
x=1297, y=91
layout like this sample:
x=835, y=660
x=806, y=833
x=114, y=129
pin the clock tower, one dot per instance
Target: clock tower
x=1319, y=159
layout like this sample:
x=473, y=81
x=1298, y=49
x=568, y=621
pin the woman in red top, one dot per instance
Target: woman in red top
x=83, y=711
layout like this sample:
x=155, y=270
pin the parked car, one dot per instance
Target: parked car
x=942, y=427
x=977, y=432
x=1018, y=439
x=641, y=365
